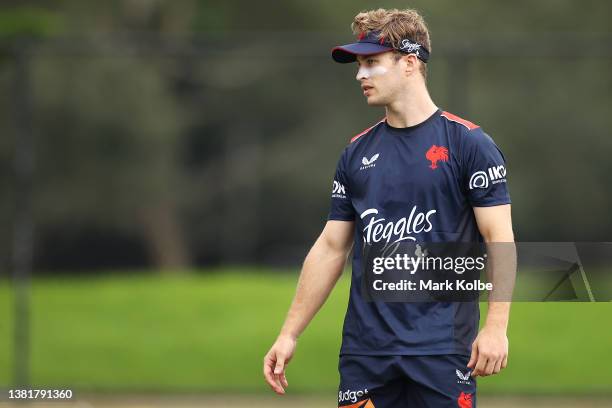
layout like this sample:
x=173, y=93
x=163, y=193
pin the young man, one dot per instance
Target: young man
x=419, y=174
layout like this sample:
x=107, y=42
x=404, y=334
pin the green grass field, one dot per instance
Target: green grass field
x=209, y=332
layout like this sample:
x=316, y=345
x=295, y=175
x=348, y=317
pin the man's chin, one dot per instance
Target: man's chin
x=371, y=101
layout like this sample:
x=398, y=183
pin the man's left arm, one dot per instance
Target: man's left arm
x=490, y=348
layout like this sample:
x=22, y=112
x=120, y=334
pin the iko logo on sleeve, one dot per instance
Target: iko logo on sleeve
x=493, y=175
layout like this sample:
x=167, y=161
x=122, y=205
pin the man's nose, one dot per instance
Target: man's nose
x=361, y=74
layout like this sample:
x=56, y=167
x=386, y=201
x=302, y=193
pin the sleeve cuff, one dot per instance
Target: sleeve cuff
x=490, y=202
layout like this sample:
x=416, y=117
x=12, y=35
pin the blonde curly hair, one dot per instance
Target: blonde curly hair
x=395, y=25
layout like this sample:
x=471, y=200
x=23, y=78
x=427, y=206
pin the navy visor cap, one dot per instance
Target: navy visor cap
x=370, y=43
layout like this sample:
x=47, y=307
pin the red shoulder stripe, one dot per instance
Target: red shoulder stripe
x=357, y=136
x=457, y=119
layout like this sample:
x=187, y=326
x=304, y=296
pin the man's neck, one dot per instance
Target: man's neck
x=411, y=109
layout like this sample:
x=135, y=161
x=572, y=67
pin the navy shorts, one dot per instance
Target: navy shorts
x=437, y=381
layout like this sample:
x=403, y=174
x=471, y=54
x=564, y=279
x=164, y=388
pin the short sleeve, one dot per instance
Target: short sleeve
x=341, y=207
x=484, y=171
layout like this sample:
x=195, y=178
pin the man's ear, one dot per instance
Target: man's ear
x=412, y=63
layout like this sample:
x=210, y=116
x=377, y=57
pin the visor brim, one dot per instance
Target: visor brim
x=348, y=53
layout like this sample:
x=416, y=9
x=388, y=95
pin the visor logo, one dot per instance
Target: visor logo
x=409, y=46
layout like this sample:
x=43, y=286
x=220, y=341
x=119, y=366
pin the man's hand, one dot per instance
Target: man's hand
x=275, y=361
x=489, y=351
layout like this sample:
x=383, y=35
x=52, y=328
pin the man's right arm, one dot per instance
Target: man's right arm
x=322, y=268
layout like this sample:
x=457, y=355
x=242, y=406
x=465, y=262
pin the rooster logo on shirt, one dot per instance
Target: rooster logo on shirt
x=436, y=154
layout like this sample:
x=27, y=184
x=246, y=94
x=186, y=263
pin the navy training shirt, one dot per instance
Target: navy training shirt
x=415, y=183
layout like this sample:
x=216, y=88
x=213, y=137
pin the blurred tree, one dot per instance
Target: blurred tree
x=209, y=131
